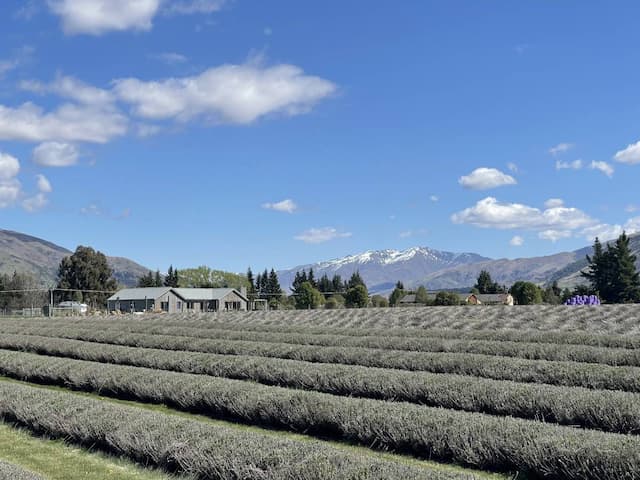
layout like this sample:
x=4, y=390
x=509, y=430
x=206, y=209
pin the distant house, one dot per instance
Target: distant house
x=409, y=299
x=177, y=300
x=489, y=299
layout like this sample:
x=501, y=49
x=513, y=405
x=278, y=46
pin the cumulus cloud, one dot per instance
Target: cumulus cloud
x=35, y=203
x=9, y=186
x=629, y=155
x=490, y=213
x=603, y=167
x=44, y=186
x=560, y=148
x=321, y=235
x=516, y=241
x=554, y=202
x=486, y=178
x=69, y=122
x=96, y=17
x=575, y=165
x=55, y=154
x=231, y=94
x=286, y=206
x=554, y=235
x=72, y=88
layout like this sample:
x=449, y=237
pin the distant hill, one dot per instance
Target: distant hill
x=383, y=268
x=439, y=270
x=41, y=258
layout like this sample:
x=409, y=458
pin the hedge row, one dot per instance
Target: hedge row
x=532, y=351
x=526, y=335
x=205, y=451
x=604, y=410
x=482, y=441
x=478, y=341
x=8, y=471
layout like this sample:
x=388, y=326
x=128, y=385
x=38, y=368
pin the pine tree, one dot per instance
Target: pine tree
x=311, y=279
x=146, y=280
x=356, y=280
x=273, y=287
x=157, y=281
x=324, y=284
x=627, y=280
x=336, y=284
x=399, y=285
x=251, y=281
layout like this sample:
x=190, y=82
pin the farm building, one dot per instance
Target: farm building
x=490, y=299
x=177, y=300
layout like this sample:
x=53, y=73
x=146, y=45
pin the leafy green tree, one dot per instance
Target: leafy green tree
x=87, y=269
x=331, y=304
x=357, y=297
x=446, y=299
x=526, y=293
x=397, y=295
x=308, y=297
x=422, y=296
x=379, y=301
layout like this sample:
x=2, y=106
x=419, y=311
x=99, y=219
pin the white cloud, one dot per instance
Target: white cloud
x=70, y=87
x=69, y=122
x=603, y=167
x=55, y=154
x=603, y=231
x=9, y=187
x=96, y=17
x=512, y=167
x=630, y=155
x=486, y=178
x=20, y=57
x=554, y=235
x=516, y=241
x=631, y=208
x=230, y=93
x=632, y=225
x=189, y=7
x=489, y=213
x=575, y=165
x=35, y=203
x=44, y=186
x=561, y=148
x=287, y=206
x=554, y=202
x=171, y=58
x=406, y=234
x=321, y=235
x=9, y=166
x=27, y=11
x=434, y=198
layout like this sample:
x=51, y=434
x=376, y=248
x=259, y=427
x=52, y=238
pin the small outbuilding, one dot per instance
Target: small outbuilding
x=490, y=299
x=177, y=300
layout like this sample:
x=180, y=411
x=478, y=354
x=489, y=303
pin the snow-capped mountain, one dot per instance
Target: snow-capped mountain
x=381, y=269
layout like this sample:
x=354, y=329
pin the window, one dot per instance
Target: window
x=164, y=306
x=179, y=306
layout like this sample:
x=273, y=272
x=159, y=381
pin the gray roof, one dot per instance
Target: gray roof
x=187, y=294
x=139, y=293
x=196, y=294
x=411, y=298
x=491, y=297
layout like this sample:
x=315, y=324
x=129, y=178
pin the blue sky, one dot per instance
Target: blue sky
x=236, y=133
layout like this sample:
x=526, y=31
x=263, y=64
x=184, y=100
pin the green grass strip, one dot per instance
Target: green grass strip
x=56, y=460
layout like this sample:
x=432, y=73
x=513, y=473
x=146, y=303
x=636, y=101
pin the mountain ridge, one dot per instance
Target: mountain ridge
x=41, y=258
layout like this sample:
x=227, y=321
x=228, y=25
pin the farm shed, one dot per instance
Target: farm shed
x=176, y=300
x=489, y=299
